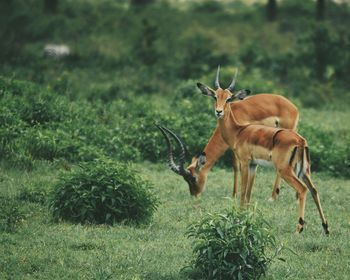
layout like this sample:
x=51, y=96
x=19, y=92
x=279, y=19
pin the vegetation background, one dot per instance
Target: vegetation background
x=136, y=62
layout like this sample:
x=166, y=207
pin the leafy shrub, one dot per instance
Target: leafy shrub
x=11, y=214
x=19, y=159
x=339, y=162
x=319, y=142
x=35, y=192
x=102, y=192
x=11, y=126
x=49, y=127
x=44, y=108
x=251, y=55
x=326, y=154
x=232, y=245
x=41, y=144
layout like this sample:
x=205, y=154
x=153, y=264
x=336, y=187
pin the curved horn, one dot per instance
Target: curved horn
x=217, y=84
x=178, y=169
x=171, y=161
x=182, y=156
x=231, y=87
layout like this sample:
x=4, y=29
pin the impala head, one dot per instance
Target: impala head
x=223, y=96
x=191, y=173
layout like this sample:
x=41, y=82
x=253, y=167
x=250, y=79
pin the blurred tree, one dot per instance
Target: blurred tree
x=140, y=2
x=50, y=6
x=320, y=9
x=318, y=51
x=144, y=45
x=271, y=9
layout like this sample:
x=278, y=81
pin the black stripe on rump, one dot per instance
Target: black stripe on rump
x=293, y=155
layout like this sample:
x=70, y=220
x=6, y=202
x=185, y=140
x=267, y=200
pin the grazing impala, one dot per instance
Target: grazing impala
x=254, y=144
x=266, y=109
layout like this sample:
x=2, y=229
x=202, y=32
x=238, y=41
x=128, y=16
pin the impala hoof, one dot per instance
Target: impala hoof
x=299, y=229
x=300, y=226
x=325, y=227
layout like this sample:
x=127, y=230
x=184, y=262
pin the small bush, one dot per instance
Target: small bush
x=42, y=109
x=11, y=215
x=102, y=192
x=326, y=154
x=11, y=126
x=20, y=160
x=232, y=245
x=320, y=142
x=33, y=192
x=41, y=144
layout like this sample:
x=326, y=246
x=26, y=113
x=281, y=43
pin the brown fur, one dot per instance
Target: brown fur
x=251, y=142
x=263, y=109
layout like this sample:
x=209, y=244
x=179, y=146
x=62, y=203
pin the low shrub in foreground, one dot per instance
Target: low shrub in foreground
x=232, y=245
x=102, y=191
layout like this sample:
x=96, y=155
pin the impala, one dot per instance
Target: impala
x=254, y=144
x=266, y=109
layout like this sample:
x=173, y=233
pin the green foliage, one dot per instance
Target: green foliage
x=97, y=102
x=11, y=214
x=40, y=144
x=102, y=192
x=160, y=249
x=42, y=109
x=124, y=129
x=321, y=144
x=35, y=192
x=126, y=73
x=326, y=153
x=232, y=245
x=11, y=126
x=175, y=44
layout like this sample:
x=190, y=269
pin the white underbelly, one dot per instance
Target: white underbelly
x=262, y=162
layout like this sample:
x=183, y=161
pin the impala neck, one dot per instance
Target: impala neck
x=229, y=126
x=215, y=148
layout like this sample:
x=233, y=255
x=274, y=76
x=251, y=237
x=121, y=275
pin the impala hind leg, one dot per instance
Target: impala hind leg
x=307, y=180
x=301, y=189
x=276, y=188
x=235, y=166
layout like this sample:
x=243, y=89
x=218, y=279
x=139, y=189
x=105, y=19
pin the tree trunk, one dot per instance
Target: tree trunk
x=271, y=10
x=320, y=9
x=50, y=6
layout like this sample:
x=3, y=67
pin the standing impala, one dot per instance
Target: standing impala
x=254, y=144
x=266, y=109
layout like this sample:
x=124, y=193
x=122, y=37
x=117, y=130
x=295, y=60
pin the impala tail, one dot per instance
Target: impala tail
x=300, y=160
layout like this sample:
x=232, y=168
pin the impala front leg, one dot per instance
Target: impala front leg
x=251, y=180
x=244, y=182
x=235, y=165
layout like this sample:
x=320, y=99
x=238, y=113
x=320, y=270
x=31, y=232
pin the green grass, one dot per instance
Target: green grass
x=41, y=249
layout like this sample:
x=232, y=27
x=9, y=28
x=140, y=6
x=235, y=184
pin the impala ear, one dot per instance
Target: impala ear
x=206, y=90
x=200, y=161
x=241, y=94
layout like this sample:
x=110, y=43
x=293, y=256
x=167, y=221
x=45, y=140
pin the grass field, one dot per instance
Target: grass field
x=132, y=66
x=41, y=249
